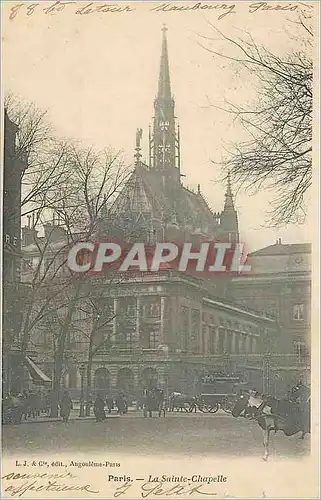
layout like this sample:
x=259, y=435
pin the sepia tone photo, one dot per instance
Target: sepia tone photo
x=160, y=331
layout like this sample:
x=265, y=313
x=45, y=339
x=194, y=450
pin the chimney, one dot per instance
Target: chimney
x=29, y=234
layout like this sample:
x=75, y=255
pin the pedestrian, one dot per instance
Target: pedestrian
x=65, y=406
x=110, y=403
x=48, y=403
x=37, y=403
x=120, y=403
x=125, y=405
x=17, y=408
x=99, y=411
x=26, y=404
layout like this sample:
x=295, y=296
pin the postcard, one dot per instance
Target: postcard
x=160, y=284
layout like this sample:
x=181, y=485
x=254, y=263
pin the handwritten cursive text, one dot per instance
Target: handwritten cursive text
x=17, y=485
x=88, y=9
x=150, y=489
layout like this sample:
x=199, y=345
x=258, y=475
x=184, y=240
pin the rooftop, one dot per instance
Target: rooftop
x=280, y=249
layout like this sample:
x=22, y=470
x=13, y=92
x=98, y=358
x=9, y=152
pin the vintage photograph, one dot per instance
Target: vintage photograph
x=159, y=226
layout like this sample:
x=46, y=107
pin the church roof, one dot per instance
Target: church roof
x=281, y=249
x=154, y=195
x=146, y=192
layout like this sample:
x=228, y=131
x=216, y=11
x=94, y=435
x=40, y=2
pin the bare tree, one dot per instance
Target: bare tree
x=278, y=152
x=78, y=200
x=100, y=333
x=43, y=153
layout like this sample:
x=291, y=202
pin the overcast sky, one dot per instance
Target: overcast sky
x=97, y=76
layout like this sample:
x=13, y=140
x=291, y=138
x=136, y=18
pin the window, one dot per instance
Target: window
x=298, y=312
x=153, y=340
x=130, y=310
x=151, y=309
x=155, y=309
x=204, y=338
x=195, y=330
x=212, y=338
x=130, y=338
x=301, y=349
x=185, y=328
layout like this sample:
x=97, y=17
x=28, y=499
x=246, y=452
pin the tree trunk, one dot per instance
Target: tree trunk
x=59, y=358
x=89, y=379
x=24, y=348
x=57, y=380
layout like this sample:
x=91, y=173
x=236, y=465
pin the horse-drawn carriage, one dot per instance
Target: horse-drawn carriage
x=213, y=402
x=216, y=391
x=219, y=391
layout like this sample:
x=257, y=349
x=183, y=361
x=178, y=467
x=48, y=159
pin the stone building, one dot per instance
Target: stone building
x=154, y=205
x=280, y=284
x=14, y=165
x=165, y=328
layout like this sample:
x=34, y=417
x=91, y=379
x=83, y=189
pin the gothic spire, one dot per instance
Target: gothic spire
x=229, y=219
x=165, y=140
x=164, y=84
x=229, y=204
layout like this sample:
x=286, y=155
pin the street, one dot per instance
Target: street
x=177, y=433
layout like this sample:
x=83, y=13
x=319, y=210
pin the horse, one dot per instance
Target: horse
x=290, y=415
x=301, y=394
x=182, y=402
x=121, y=404
x=153, y=400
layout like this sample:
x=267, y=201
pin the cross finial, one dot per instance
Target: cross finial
x=164, y=28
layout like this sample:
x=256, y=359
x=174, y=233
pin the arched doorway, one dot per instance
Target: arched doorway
x=149, y=378
x=125, y=381
x=102, y=382
x=176, y=379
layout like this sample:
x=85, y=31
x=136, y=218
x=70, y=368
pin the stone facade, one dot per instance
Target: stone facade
x=13, y=294
x=163, y=328
x=280, y=284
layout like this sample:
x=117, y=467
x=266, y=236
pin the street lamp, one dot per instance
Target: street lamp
x=267, y=372
x=82, y=370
